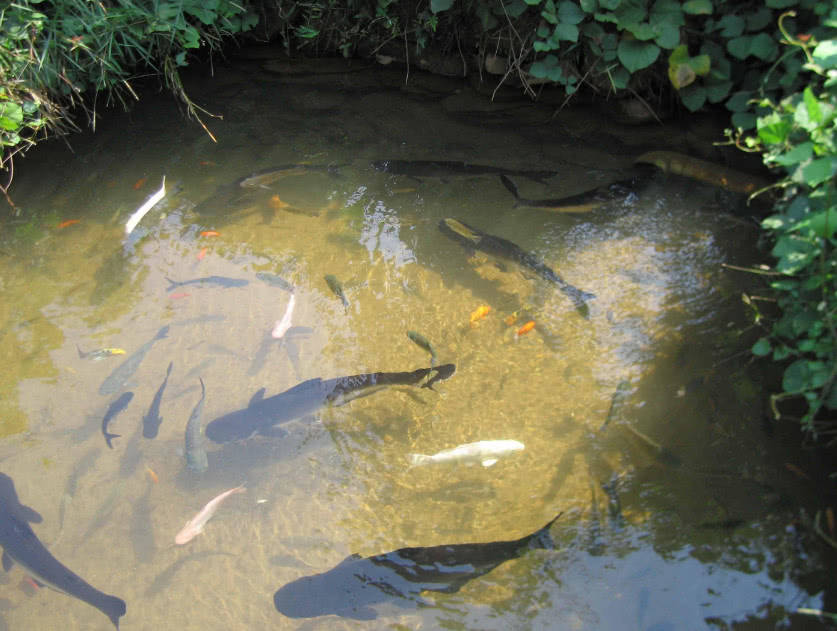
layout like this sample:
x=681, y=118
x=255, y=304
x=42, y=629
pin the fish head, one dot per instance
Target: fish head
x=459, y=230
x=10, y=504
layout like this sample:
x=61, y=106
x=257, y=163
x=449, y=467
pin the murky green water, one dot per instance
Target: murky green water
x=701, y=531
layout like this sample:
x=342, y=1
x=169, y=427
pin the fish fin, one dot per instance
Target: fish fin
x=542, y=538
x=511, y=186
x=257, y=397
x=489, y=462
x=173, y=284
x=417, y=460
x=81, y=353
x=7, y=561
x=109, y=437
x=354, y=556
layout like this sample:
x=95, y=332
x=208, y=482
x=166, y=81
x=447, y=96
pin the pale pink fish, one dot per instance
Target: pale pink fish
x=195, y=525
x=284, y=324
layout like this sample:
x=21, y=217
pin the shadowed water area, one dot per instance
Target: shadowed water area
x=641, y=414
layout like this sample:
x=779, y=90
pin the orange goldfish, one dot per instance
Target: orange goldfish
x=526, y=327
x=210, y=233
x=152, y=475
x=277, y=203
x=178, y=295
x=140, y=183
x=480, y=313
x=69, y=222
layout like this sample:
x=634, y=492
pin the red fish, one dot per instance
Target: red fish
x=178, y=295
x=69, y=222
x=140, y=183
x=210, y=233
x=201, y=254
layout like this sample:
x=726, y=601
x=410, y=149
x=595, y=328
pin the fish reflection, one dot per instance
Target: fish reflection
x=20, y=544
x=351, y=588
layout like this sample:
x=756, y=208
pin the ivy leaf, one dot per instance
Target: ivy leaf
x=800, y=153
x=797, y=376
x=11, y=115
x=636, y=55
x=693, y=97
x=761, y=347
x=698, y=7
x=731, y=25
x=820, y=170
x=642, y=32
x=668, y=35
x=567, y=32
x=763, y=46
x=569, y=13
x=825, y=54
x=773, y=129
x=740, y=47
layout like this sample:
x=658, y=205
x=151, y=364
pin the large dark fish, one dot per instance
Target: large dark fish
x=261, y=414
x=452, y=168
x=352, y=587
x=503, y=248
x=196, y=458
x=120, y=376
x=274, y=280
x=582, y=202
x=115, y=408
x=337, y=288
x=151, y=421
x=22, y=545
x=221, y=281
x=261, y=179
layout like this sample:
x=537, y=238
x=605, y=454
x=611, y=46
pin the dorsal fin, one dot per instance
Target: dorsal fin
x=258, y=397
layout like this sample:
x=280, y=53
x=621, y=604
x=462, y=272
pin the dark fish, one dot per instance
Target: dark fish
x=195, y=453
x=423, y=342
x=623, y=390
x=120, y=376
x=22, y=545
x=198, y=370
x=115, y=408
x=274, y=280
x=151, y=421
x=451, y=168
x=614, y=506
x=262, y=178
x=337, y=288
x=351, y=588
x=582, y=202
x=502, y=248
x=261, y=415
x=221, y=281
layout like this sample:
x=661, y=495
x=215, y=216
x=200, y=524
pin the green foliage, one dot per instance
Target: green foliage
x=798, y=136
x=54, y=51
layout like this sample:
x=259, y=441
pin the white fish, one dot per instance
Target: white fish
x=134, y=219
x=284, y=324
x=195, y=525
x=486, y=452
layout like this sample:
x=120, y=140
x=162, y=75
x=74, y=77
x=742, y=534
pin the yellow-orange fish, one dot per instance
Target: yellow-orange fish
x=277, y=203
x=526, y=327
x=479, y=314
x=152, y=475
x=69, y=222
x=210, y=233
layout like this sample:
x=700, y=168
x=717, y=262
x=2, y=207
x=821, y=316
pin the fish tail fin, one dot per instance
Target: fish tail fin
x=81, y=353
x=114, y=608
x=511, y=186
x=172, y=284
x=542, y=538
x=109, y=437
x=416, y=460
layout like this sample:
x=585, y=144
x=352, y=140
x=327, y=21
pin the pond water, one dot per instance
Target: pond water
x=642, y=419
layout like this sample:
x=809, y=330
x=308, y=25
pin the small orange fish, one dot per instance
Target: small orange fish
x=796, y=471
x=208, y=163
x=152, y=475
x=201, y=254
x=210, y=233
x=526, y=327
x=277, y=203
x=480, y=313
x=69, y=222
x=178, y=295
x=140, y=183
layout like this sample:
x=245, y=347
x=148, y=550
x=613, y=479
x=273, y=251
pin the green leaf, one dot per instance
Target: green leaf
x=820, y=170
x=759, y=20
x=620, y=77
x=731, y=25
x=743, y=120
x=569, y=13
x=761, y=347
x=440, y=5
x=610, y=4
x=825, y=54
x=812, y=105
x=589, y=6
x=693, y=97
x=797, y=377
x=800, y=153
x=698, y=7
x=11, y=115
x=763, y=46
x=642, y=32
x=717, y=91
x=773, y=129
x=668, y=35
x=740, y=47
x=667, y=13
x=739, y=101
x=822, y=224
x=568, y=32
x=636, y=55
